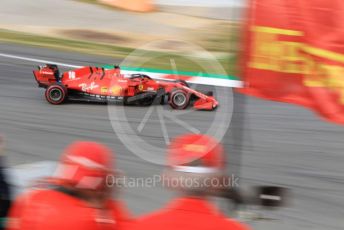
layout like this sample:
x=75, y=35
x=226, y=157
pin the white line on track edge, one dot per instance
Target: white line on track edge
x=197, y=80
x=37, y=60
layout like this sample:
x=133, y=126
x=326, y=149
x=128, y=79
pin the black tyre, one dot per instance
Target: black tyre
x=56, y=94
x=179, y=99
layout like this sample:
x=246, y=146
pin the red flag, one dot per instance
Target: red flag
x=294, y=52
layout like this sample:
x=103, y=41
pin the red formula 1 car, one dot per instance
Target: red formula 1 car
x=109, y=85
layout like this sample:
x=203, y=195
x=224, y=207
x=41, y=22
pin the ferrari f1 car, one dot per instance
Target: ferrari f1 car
x=96, y=84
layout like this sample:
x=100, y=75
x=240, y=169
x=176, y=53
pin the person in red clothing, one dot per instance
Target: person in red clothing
x=195, y=162
x=75, y=198
x=5, y=191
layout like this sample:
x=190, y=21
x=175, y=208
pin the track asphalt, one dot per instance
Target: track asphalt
x=282, y=144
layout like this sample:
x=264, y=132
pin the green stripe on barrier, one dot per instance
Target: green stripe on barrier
x=184, y=73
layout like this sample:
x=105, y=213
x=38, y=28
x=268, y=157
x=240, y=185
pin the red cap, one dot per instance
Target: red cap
x=196, y=153
x=85, y=165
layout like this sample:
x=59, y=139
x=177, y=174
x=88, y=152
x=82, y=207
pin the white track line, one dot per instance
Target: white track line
x=37, y=60
x=195, y=80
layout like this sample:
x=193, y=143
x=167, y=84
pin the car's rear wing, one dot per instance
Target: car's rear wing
x=46, y=74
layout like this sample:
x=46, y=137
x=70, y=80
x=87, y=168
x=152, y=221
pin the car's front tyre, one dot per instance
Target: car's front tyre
x=179, y=99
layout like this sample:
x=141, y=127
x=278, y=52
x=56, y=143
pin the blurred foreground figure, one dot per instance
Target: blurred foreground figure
x=76, y=198
x=4, y=190
x=196, y=162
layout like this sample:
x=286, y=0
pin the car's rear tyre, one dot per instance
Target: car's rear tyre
x=56, y=94
x=179, y=99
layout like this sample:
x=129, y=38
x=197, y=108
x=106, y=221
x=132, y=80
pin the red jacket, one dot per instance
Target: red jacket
x=54, y=210
x=188, y=214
